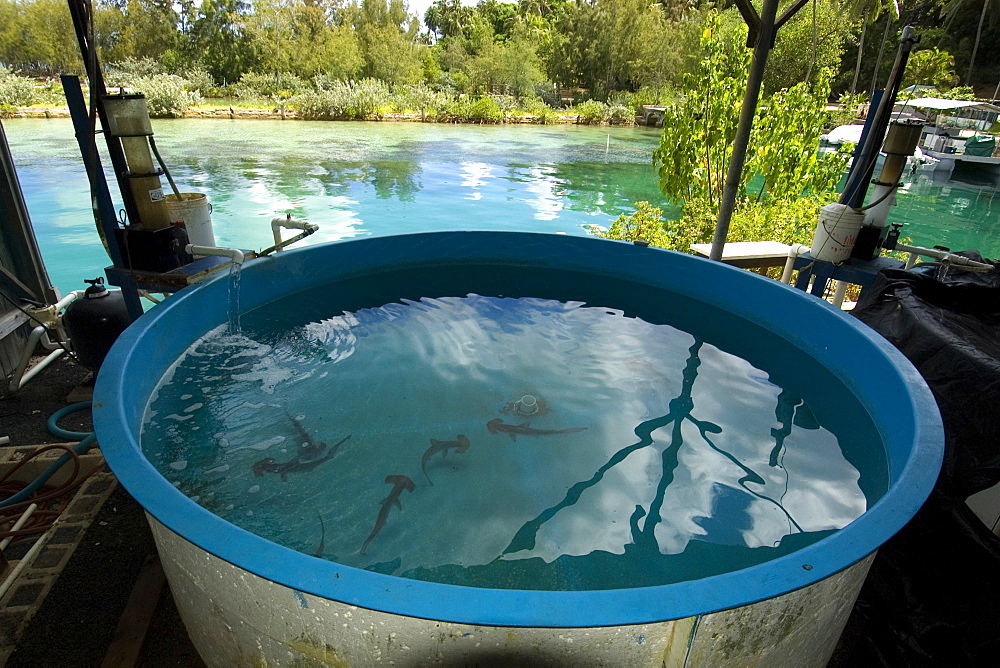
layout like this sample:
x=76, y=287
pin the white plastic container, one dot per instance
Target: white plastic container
x=194, y=211
x=836, y=232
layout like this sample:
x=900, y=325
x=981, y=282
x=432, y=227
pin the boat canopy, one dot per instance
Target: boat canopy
x=941, y=104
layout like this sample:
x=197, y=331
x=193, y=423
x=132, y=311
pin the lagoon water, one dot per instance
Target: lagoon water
x=356, y=179
x=647, y=456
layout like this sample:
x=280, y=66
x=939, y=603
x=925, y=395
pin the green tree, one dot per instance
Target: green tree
x=813, y=40
x=987, y=16
x=448, y=18
x=149, y=29
x=37, y=37
x=501, y=16
x=699, y=128
x=608, y=45
x=931, y=67
x=868, y=11
x=220, y=39
x=698, y=133
x=387, y=36
x=510, y=67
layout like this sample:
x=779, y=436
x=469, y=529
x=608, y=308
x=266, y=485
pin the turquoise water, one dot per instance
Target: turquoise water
x=352, y=179
x=356, y=179
x=647, y=455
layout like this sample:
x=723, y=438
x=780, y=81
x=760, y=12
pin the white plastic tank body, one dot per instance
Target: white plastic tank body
x=236, y=618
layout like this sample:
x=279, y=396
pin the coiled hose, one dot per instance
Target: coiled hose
x=86, y=441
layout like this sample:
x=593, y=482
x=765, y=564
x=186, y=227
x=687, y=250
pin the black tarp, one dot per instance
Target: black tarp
x=933, y=594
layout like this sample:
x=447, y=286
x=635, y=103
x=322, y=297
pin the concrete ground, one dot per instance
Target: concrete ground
x=65, y=608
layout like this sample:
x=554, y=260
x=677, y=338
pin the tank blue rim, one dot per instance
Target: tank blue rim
x=901, y=403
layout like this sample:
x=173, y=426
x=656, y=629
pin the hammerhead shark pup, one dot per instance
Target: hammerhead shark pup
x=496, y=425
x=294, y=465
x=460, y=444
x=399, y=483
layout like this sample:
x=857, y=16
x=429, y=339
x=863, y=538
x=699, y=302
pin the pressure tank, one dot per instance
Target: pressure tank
x=94, y=322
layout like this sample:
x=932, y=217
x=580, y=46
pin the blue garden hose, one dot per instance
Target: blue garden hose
x=86, y=438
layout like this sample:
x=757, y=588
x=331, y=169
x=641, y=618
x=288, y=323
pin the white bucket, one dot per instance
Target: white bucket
x=194, y=211
x=836, y=232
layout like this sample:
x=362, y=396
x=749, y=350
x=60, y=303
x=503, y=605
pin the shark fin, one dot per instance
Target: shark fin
x=512, y=435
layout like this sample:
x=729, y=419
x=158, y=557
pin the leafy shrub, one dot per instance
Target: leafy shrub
x=198, y=79
x=324, y=81
x=15, y=91
x=646, y=224
x=543, y=113
x=278, y=86
x=318, y=105
x=847, y=111
x=368, y=97
x=422, y=98
x=466, y=109
x=548, y=93
x=166, y=95
x=485, y=110
x=592, y=112
x=507, y=105
x=660, y=95
x=130, y=70
x=620, y=114
x=50, y=93
x=453, y=82
x=339, y=100
x=620, y=97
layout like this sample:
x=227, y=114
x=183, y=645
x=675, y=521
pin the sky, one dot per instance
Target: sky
x=418, y=7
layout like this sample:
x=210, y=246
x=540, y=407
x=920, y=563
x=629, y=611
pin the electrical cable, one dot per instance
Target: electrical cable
x=879, y=200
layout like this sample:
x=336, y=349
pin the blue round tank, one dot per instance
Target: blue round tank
x=241, y=567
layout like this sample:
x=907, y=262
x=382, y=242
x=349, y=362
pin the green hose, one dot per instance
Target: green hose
x=87, y=439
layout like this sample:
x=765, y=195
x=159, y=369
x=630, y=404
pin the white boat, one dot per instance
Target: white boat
x=852, y=133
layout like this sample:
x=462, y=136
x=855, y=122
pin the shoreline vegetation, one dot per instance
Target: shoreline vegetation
x=552, y=117
x=596, y=63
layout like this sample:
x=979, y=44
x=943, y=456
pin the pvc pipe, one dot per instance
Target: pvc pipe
x=234, y=254
x=29, y=350
x=291, y=224
x=839, y=292
x=40, y=335
x=25, y=516
x=20, y=376
x=4, y=440
x=39, y=544
x=884, y=196
x=68, y=299
x=794, y=251
x=38, y=368
x=952, y=259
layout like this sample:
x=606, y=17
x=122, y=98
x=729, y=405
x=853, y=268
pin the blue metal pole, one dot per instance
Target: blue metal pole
x=104, y=208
